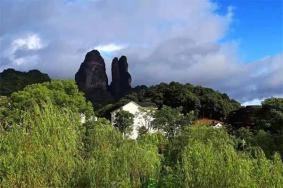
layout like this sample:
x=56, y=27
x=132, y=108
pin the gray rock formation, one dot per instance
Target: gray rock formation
x=121, y=78
x=92, y=79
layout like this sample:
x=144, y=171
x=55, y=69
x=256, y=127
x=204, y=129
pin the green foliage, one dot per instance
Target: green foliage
x=247, y=139
x=12, y=81
x=116, y=162
x=204, y=165
x=273, y=103
x=43, y=151
x=124, y=121
x=44, y=144
x=4, y=108
x=207, y=158
x=157, y=139
x=271, y=120
x=170, y=120
x=203, y=101
x=271, y=117
x=266, y=126
x=268, y=117
x=53, y=149
x=61, y=93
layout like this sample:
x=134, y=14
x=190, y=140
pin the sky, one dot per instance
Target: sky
x=233, y=46
x=256, y=23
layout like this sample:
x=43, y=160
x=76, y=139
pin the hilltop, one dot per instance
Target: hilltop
x=12, y=80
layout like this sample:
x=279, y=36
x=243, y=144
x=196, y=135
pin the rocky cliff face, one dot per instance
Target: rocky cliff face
x=121, y=78
x=92, y=79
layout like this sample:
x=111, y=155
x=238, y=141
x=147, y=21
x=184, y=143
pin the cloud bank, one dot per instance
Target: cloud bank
x=164, y=40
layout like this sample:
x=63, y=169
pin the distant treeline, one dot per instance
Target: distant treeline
x=205, y=102
x=12, y=80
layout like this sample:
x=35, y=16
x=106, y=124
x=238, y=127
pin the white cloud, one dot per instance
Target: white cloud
x=30, y=42
x=25, y=44
x=259, y=101
x=109, y=48
x=253, y=102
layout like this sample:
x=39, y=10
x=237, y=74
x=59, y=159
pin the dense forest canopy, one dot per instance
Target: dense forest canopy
x=43, y=142
x=12, y=80
x=205, y=102
x=63, y=94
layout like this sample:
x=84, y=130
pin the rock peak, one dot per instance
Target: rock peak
x=92, y=79
x=93, y=56
x=121, y=78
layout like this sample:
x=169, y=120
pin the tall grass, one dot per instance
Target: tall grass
x=41, y=151
x=49, y=147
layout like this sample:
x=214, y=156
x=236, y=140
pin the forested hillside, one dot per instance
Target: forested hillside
x=12, y=80
x=205, y=102
x=44, y=144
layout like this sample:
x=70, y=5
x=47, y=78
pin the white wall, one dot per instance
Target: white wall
x=140, y=118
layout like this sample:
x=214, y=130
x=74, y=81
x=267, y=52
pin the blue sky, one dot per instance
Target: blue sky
x=234, y=46
x=257, y=27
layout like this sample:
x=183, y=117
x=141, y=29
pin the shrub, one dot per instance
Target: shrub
x=43, y=151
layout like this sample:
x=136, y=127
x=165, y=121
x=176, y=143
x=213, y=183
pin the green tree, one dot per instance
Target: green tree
x=205, y=102
x=12, y=80
x=112, y=161
x=273, y=103
x=273, y=114
x=4, y=110
x=61, y=93
x=124, y=121
x=270, y=119
x=206, y=157
x=44, y=151
x=170, y=120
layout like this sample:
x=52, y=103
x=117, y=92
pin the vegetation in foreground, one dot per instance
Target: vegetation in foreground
x=44, y=144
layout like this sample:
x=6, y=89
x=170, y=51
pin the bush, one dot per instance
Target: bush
x=61, y=93
x=208, y=158
x=43, y=151
x=115, y=162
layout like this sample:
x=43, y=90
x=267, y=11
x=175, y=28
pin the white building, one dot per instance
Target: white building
x=142, y=117
x=218, y=125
